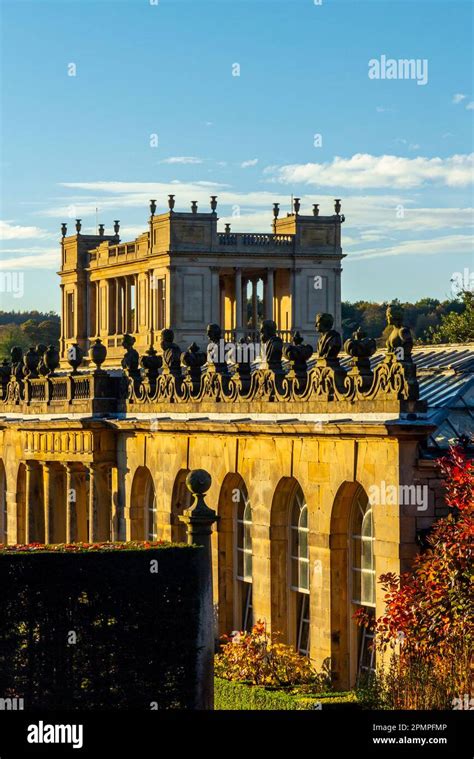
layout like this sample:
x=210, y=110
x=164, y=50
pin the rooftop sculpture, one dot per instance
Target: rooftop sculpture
x=193, y=377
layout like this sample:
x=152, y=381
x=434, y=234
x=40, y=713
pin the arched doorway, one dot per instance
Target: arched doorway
x=143, y=511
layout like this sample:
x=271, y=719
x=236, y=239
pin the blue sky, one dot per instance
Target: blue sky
x=398, y=153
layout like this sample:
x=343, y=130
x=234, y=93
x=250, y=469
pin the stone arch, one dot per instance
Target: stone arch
x=229, y=603
x=142, y=505
x=181, y=499
x=279, y=557
x=343, y=628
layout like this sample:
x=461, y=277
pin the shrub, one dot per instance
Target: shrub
x=257, y=657
x=428, y=623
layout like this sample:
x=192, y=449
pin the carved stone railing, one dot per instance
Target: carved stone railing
x=279, y=380
x=73, y=393
x=392, y=387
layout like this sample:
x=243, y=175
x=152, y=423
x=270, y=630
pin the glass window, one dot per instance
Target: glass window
x=244, y=540
x=299, y=570
x=299, y=544
x=363, y=564
x=152, y=521
x=244, y=561
x=363, y=578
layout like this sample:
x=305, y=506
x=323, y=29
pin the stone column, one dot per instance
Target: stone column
x=48, y=503
x=199, y=520
x=215, y=296
x=245, y=282
x=254, y=303
x=269, y=295
x=126, y=305
x=116, y=512
x=30, y=531
x=296, y=301
x=71, y=516
x=93, y=505
x=238, y=301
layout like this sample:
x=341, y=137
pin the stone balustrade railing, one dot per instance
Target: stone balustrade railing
x=241, y=376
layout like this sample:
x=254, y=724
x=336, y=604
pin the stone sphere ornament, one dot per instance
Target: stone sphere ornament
x=198, y=481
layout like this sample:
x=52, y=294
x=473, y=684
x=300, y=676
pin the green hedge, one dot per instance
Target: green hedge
x=229, y=695
x=96, y=628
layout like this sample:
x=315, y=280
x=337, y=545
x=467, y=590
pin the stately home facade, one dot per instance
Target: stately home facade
x=322, y=456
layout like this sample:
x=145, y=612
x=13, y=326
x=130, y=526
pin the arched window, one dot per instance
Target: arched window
x=151, y=515
x=244, y=560
x=363, y=576
x=299, y=570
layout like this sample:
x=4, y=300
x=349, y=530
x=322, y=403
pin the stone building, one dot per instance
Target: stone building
x=181, y=271
x=323, y=462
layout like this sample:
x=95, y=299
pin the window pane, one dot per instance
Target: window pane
x=368, y=588
x=303, y=544
x=248, y=566
x=304, y=575
x=247, y=536
x=367, y=554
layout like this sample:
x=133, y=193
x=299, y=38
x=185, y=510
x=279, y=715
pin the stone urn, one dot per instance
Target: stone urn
x=151, y=363
x=75, y=354
x=98, y=353
x=51, y=359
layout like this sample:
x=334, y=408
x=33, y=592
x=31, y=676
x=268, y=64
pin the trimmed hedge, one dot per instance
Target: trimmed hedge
x=231, y=695
x=90, y=627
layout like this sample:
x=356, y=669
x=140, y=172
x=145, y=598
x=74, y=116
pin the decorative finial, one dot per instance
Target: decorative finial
x=213, y=203
x=276, y=210
x=315, y=209
x=194, y=206
x=171, y=202
x=152, y=206
x=78, y=225
x=64, y=229
x=227, y=229
x=337, y=205
x=296, y=206
x=101, y=230
x=117, y=226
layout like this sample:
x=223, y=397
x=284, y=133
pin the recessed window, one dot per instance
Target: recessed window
x=244, y=561
x=299, y=569
x=363, y=578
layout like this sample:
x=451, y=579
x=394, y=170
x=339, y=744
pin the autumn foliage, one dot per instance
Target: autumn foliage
x=429, y=619
x=258, y=657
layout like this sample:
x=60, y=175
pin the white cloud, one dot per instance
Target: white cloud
x=10, y=231
x=458, y=98
x=452, y=244
x=30, y=258
x=383, y=109
x=470, y=106
x=251, y=162
x=363, y=170
x=182, y=159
